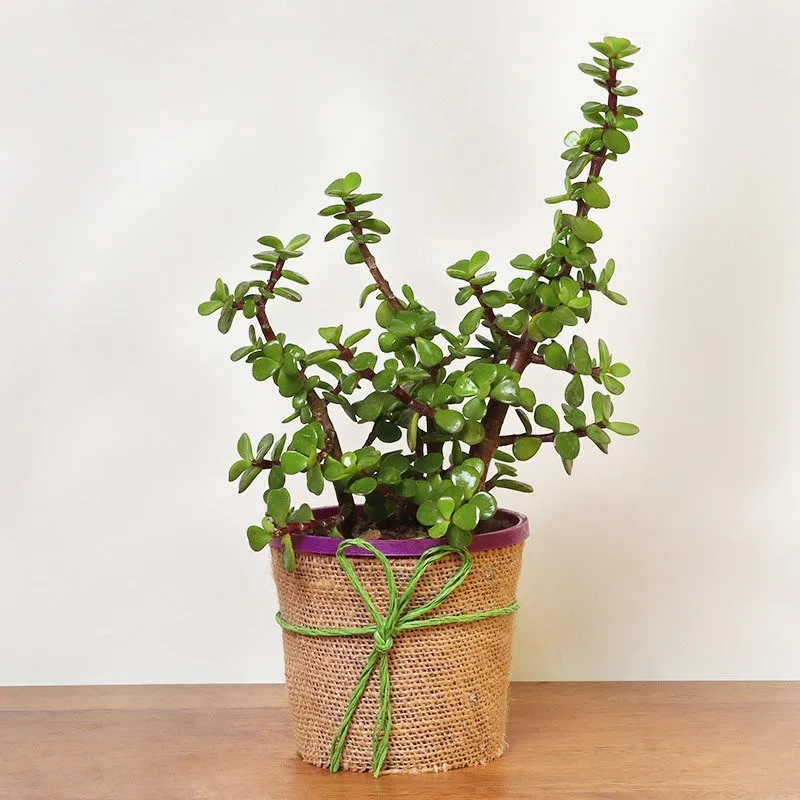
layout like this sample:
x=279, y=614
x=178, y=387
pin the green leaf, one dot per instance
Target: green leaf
x=603, y=48
x=287, y=553
x=506, y=391
x=368, y=290
x=365, y=198
x=376, y=225
x=244, y=447
x=555, y=356
x=278, y=505
x=371, y=407
x=226, y=318
x=623, y=428
x=546, y=416
x=446, y=506
x=467, y=516
x=595, y=196
x=612, y=384
x=237, y=468
x=585, y=229
x=517, y=486
x=567, y=445
x=413, y=430
x=355, y=338
x=602, y=407
x=574, y=392
x=247, y=477
x=598, y=435
x=315, y=480
x=475, y=409
x=337, y=230
x=468, y=479
x=291, y=275
x=430, y=354
x=363, y=361
x=494, y=298
x=258, y=537
x=293, y=462
x=616, y=141
x=449, y=420
x=472, y=432
x=429, y=463
x=353, y=255
x=329, y=211
x=624, y=91
x=288, y=294
x=578, y=165
x=297, y=242
x=209, y=307
x=616, y=297
x=351, y=182
x=458, y=537
x=364, y=485
x=619, y=370
x=487, y=505
x=428, y=514
x=277, y=478
x=527, y=447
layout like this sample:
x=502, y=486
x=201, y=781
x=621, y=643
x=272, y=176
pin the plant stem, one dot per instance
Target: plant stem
x=522, y=352
x=510, y=438
x=401, y=394
x=369, y=260
x=537, y=359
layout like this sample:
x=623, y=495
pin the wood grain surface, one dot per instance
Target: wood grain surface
x=627, y=741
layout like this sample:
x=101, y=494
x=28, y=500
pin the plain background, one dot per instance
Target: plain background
x=144, y=149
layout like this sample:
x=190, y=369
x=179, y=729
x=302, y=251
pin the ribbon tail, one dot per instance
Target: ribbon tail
x=340, y=739
x=383, y=722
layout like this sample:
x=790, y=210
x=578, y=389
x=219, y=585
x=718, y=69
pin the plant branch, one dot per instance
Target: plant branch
x=401, y=394
x=600, y=157
x=542, y=437
x=537, y=359
x=369, y=260
x=311, y=525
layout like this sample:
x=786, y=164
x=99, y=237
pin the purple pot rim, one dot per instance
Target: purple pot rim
x=517, y=531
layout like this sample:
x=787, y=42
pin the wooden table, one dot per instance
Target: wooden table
x=637, y=741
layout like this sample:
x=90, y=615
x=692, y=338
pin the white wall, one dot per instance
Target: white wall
x=144, y=148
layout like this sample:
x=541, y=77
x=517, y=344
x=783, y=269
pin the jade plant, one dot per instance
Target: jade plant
x=434, y=402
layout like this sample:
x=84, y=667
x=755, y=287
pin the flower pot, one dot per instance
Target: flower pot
x=445, y=701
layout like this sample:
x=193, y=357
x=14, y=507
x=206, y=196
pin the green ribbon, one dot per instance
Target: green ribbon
x=385, y=629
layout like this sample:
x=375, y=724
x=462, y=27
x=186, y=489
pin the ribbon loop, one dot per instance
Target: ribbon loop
x=385, y=629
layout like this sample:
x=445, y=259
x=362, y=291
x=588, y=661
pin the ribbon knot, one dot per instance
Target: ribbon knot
x=383, y=642
x=385, y=629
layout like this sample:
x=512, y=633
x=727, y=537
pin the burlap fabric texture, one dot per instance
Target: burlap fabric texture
x=449, y=684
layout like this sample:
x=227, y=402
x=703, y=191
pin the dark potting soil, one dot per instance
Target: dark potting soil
x=365, y=529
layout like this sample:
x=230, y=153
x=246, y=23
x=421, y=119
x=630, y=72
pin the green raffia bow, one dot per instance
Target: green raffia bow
x=385, y=630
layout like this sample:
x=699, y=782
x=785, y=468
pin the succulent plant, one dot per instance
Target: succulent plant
x=434, y=401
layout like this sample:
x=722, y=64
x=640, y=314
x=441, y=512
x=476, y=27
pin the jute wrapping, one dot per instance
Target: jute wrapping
x=449, y=684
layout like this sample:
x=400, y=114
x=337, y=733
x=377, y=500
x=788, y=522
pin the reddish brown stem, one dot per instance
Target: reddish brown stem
x=600, y=158
x=510, y=438
x=537, y=359
x=311, y=525
x=401, y=394
x=369, y=260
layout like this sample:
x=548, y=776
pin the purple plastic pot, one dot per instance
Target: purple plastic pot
x=516, y=531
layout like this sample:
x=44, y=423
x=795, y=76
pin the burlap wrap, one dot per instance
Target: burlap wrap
x=449, y=684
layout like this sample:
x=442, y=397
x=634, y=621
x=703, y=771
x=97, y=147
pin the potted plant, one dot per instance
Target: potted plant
x=397, y=602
